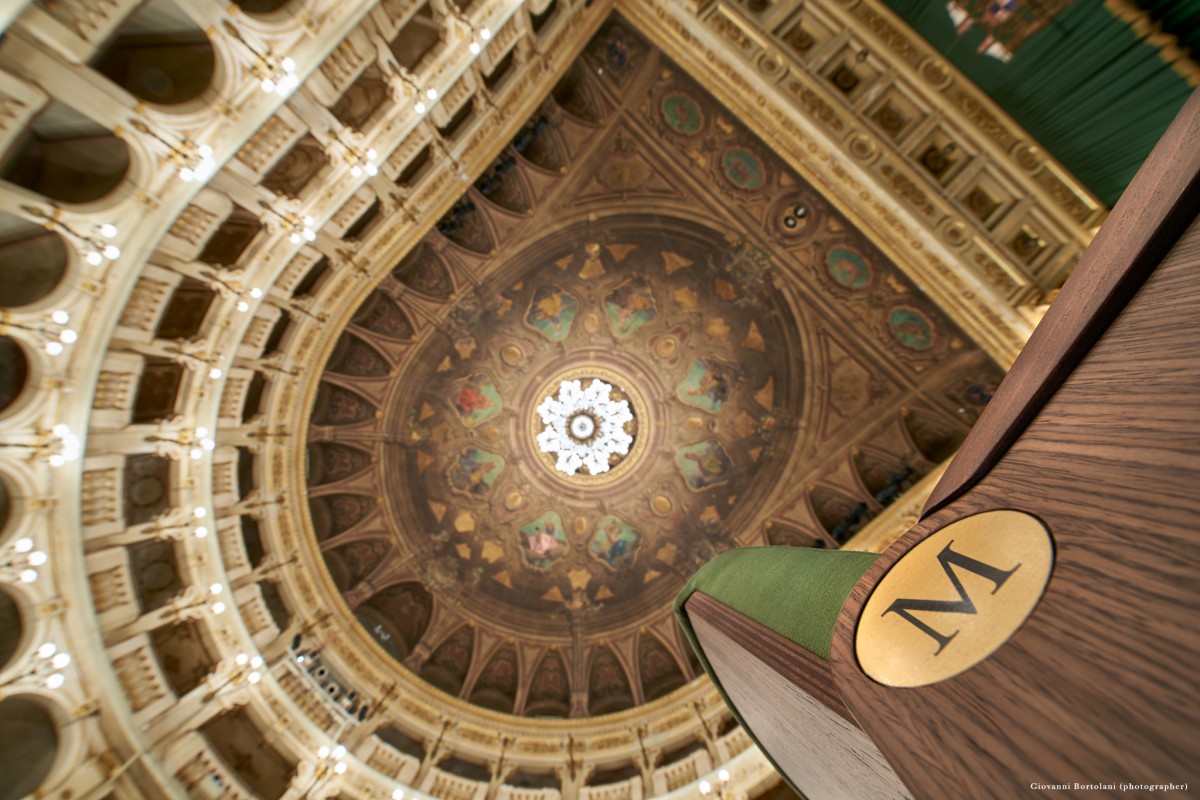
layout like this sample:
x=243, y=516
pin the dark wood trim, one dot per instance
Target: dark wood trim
x=1099, y=683
x=1151, y=215
x=808, y=671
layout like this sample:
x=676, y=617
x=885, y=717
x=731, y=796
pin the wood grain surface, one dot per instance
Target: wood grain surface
x=1100, y=685
x=810, y=672
x=1161, y=201
x=786, y=697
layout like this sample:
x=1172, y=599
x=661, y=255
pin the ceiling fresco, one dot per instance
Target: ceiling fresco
x=786, y=381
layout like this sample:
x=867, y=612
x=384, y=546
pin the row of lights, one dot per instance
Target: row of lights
x=23, y=564
x=255, y=664
x=478, y=40
x=50, y=664
x=55, y=335
x=96, y=243
x=706, y=788
x=59, y=446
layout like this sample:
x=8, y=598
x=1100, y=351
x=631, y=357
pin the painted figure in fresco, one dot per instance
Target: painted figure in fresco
x=542, y=542
x=475, y=471
x=980, y=394
x=848, y=268
x=630, y=306
x=709, y=465
x=552, y=312
x=712, y=384
x=743, y=169
x=618, y=54
x=614, y=543
x=477, y=399
x=911, y=329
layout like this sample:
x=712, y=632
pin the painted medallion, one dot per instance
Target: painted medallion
x=551, y=313
x=682, y=114
x=630, y=306
x=476, y=399
x=704, y=465
x=707, y=385
x=743, y=169
x=911, y=328
x=848, y=268
x=543, y=541
x=614, y=543
x=474, y=471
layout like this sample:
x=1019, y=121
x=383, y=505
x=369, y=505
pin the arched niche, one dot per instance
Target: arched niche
x=67, y=157
x=14, y=372
x=28, y=746
x=33, y=261
x=12, y=628
x=159, y=54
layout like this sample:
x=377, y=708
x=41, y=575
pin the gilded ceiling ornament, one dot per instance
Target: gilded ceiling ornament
x=585, y=427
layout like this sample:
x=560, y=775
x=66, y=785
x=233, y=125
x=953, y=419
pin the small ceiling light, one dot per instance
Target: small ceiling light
x=257, y=293
x=419, y=107
x=69, y=336
x=254, y=677
x=47, y=650
x=108, y=230
x=431, y=93
x=216, y=588
x=61, y=661
x=242, y=659
x=201, y=532
x=323, y=752
x=218, y=608
x=54, y=348
x=60, y=317
x=485, y=34
x=37, y=558
x=23, y=545
x=397, y=794
x=54, y=681
x=201, y=512
x=340, y=767
x=28, y=575
x=215, y=373
x=256, y=662
x=475, y=48
x=243, y=306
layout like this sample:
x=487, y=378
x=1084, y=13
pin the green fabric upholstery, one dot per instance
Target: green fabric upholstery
x=795, y=591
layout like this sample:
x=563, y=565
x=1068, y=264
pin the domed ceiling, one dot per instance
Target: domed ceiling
x=785, y=382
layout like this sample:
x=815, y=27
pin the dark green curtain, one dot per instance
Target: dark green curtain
x=1091, y=92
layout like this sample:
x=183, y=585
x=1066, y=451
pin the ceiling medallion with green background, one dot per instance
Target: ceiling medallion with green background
x=646, y=239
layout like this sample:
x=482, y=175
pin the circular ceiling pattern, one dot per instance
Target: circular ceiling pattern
x=676, y=319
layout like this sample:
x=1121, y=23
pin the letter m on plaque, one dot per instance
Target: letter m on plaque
x=905, y=606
